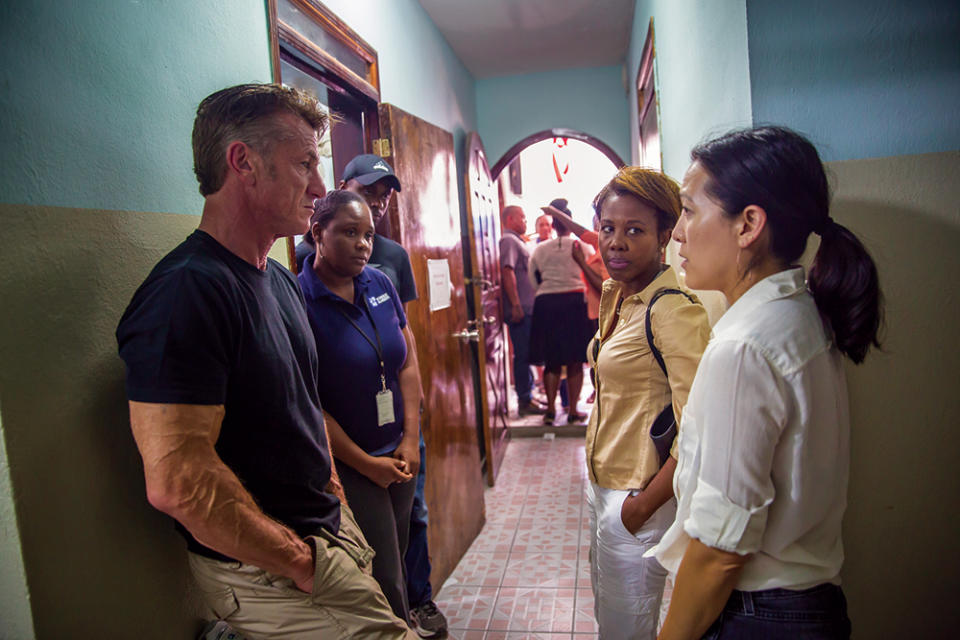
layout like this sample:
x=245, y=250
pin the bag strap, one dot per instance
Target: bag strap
x=653, y=348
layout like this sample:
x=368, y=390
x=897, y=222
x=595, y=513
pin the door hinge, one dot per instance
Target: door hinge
x=381, y=147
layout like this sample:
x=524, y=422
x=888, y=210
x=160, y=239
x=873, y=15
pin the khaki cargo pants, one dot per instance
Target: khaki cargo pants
x=346, y=601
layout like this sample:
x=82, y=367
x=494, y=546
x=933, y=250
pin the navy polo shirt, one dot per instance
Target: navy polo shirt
x=349, y=377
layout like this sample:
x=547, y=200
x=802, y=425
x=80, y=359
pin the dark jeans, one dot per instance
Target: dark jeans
x=522, y=376
x=818, y=613
x=417, y=558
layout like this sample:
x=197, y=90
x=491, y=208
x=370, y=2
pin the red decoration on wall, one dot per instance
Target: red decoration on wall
x=561, y=159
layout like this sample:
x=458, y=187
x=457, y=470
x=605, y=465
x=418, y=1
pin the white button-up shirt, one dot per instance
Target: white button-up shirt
x=764, y=443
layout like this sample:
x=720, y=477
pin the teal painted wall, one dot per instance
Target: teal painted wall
x=98, y=98
x=591, y=100
x=702, y=72
x=862, y=79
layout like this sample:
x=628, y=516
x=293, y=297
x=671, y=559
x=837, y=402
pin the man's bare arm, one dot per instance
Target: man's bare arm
x=188, y=481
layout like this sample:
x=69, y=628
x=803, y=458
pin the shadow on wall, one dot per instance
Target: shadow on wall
x=98, y=559
x=900, y=530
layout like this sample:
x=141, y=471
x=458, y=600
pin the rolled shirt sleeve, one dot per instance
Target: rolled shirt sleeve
x=749, y=404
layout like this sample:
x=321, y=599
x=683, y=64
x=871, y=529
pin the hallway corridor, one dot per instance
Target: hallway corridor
x=527, y=576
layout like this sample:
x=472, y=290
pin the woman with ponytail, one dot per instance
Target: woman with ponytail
x=761, y=477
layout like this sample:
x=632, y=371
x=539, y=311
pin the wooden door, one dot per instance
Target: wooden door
x=483, y=224
x=425, y=219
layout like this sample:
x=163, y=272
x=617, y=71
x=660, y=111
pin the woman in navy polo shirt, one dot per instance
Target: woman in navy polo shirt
x=368, y=388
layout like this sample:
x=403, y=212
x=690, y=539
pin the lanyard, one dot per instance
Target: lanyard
x=378, y=347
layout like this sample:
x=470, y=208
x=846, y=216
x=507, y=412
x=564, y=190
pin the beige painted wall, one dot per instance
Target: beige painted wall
x=100, y=563
x=15, y=618
x=901, y=527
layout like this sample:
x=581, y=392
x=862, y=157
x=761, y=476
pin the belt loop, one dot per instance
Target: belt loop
x=747, y=602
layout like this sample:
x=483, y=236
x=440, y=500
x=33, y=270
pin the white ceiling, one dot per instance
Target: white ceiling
x=507, y=37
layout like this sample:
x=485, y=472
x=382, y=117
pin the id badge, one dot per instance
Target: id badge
x=385, y=407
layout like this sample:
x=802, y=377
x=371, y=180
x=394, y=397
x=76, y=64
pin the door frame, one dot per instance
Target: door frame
x=327, y=69
x=646, y=100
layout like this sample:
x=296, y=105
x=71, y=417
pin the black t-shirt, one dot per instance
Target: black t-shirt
x=301, y=251
x=393, y=260
x=207, y=327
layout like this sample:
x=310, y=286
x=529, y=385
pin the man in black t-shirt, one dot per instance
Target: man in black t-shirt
x=222, y=382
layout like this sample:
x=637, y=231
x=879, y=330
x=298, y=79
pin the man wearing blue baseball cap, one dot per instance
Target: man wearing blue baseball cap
x=370, y=177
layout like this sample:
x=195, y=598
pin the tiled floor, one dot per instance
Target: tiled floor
x=527, y=575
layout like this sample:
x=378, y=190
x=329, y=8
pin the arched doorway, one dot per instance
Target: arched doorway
x=555, y=163
x=546, y=134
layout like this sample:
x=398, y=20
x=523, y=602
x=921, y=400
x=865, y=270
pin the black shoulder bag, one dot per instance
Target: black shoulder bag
x=664, y=429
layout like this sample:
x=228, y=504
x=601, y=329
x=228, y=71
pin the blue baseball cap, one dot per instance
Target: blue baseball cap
x=369, y=168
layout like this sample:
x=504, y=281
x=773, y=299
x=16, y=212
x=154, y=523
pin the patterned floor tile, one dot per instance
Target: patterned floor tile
x=525, y=635
x=544, y=610
x=466, y=607
x=480, y=569
x=540, y=570
x=505, y=512
x=569, y=523
x=583, y=569
x=493, y=539
x=583, y=620
x=565, y=541
x=552, y=511
x=529, y=564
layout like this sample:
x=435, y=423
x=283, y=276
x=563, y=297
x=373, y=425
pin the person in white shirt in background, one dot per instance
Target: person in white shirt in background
x=561, y=329
x=761, y=477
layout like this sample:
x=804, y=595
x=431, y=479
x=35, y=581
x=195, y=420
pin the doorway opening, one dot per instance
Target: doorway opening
x=550, y=165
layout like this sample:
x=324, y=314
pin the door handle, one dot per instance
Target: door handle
x=486, y=320
x=467, y=335
x=484, y=284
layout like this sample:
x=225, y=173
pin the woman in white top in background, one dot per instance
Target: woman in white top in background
x=761, y=478
x=560, y=330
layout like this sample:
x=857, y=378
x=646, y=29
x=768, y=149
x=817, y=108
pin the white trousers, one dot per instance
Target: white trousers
x=627, y=588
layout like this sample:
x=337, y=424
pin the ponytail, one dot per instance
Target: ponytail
x=780, y=170
x=845, y=286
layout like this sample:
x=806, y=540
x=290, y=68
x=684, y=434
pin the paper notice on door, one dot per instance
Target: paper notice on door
x=438, y=272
